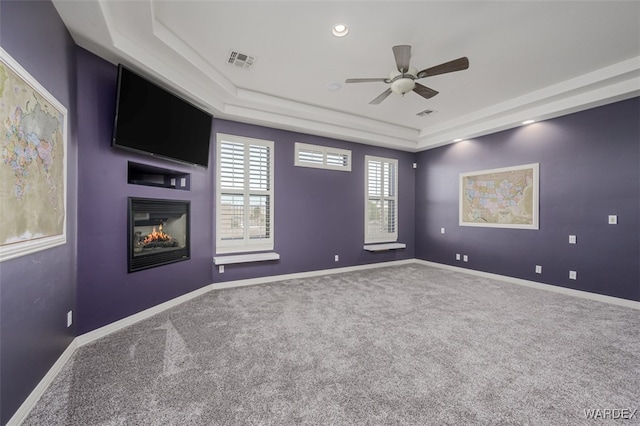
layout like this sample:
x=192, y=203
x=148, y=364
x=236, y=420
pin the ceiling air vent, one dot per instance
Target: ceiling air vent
x=240, y=59
x=426, y=112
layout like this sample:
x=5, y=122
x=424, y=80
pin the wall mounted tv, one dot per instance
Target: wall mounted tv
x=152, y=121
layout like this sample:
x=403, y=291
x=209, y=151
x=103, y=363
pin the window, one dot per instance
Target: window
x=322, y=157
x=381, y=202
x=244, y=213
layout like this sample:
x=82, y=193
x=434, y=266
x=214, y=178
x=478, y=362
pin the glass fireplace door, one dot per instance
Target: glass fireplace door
x=158, y=232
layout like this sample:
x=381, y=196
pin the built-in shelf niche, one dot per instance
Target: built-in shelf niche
x=144, y=174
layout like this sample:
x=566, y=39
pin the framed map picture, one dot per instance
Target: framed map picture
x=500, y=198
x=33, y=148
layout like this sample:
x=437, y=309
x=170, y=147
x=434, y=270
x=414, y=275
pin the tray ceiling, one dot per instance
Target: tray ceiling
x=528, y=59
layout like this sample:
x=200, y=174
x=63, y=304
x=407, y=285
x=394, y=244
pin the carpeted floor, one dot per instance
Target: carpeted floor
x=406, y=345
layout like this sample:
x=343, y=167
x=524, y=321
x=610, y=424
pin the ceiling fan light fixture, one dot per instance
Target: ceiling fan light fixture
x=402, y=78
x=403, y=85
x=340, y=30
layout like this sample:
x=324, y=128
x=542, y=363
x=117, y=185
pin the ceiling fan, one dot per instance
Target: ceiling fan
x=404, y=79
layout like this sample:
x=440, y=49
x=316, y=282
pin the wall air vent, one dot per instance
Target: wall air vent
x=426, y=112
x=240, y=59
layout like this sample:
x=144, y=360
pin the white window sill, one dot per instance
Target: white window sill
x=383, y=247
x=245, y=258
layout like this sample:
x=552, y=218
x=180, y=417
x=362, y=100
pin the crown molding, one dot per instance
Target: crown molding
x=153, y=48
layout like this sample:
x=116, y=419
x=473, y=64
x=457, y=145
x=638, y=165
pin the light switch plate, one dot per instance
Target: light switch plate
x=613, y=219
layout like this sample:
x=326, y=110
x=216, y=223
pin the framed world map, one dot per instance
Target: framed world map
x=500, y=198
x=33, y=147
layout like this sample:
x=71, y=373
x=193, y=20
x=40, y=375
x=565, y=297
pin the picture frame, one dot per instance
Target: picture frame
x=505, y=197
x=33, y=164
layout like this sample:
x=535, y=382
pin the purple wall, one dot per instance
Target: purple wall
x=37, y=290
x=589, y=169
x=303, y=196
x=106, y=292
x=320, y=213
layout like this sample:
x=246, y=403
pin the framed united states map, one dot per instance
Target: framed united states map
x=33, y=148
x=502, y=198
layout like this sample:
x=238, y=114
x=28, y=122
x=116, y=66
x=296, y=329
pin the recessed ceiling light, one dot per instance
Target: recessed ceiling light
x=340, y=30
x=528, y=122
x=333, y=86
x=457, y=140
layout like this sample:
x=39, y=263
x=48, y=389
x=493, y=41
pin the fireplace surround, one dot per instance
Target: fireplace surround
x=158, y=232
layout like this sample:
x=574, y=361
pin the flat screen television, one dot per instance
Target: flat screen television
x=152, y=121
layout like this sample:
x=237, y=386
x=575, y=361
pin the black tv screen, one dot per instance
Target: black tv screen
x=152, y=121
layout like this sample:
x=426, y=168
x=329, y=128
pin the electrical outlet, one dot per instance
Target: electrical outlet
x=465, y=258
x=573, y=275
x=442, y=230
x=613, y=219
x=572, y=239
x=69, y=318
x=221, y=269
x=336, y=258
x=538, y=269
x=457, y=256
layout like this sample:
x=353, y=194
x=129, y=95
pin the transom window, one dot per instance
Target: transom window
x=322, y=157
x=381, y=200
x=244, y=209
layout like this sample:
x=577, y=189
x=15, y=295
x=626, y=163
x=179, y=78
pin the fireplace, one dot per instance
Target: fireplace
x=158, y=232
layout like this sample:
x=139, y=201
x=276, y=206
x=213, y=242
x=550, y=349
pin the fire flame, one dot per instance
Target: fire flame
x=157, y=236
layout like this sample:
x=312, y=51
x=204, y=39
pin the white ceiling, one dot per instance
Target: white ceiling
x=528, y=59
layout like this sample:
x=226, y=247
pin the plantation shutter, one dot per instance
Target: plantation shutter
x=337, y=159
x=245, y=194
x=322, y=157
x=381, y=215
x=310, y=155
x=259, y=197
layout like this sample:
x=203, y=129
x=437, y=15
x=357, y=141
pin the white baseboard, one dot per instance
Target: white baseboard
x=98, y=333
x=91, y=336
x=533, y=284
x=142, y=315
x=298, y=275
x=34, y=396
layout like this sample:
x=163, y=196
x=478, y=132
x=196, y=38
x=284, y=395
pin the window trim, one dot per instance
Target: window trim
x=325, y=151
x=389, y=237
x=244, y=245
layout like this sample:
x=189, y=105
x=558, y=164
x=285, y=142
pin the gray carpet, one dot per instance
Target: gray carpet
x=406, y=345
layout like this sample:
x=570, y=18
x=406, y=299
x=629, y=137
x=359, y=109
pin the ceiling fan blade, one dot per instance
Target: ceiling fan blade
x=424, y=91
x=451, y=66
x=381, y=98
x=402, y=54
x=365, y=80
